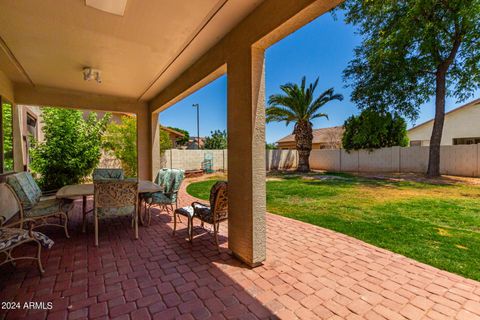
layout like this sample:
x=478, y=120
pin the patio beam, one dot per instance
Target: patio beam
x=246, y=155
x=47, y=96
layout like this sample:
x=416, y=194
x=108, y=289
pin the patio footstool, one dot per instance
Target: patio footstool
x=186, y=212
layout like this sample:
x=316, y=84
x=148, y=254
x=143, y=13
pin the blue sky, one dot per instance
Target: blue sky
x=321, y=49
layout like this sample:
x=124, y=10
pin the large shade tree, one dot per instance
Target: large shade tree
x=297, y=104
x=413, y=51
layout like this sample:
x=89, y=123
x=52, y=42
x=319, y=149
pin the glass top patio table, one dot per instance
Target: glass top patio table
x=87, y=189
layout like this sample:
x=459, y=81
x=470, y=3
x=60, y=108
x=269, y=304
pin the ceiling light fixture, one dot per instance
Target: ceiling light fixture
x=92, y=74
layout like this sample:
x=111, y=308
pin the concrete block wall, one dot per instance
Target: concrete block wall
x=414, y=159
x=478, y=160
x=281, y=159
x=329, y=159
x=460, y=160
x=193, y=159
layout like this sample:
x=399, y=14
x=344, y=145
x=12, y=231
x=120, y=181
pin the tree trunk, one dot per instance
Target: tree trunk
x=436, y=138
x=303, y=143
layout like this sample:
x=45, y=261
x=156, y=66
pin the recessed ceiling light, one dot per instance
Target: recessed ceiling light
x=111, y=6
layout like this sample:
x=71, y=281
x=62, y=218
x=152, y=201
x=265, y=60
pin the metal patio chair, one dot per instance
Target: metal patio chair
x=213, y=213
x=170, y=180
x=40, y=209
x=13, y=235
x=107, y=173
x=115, y=198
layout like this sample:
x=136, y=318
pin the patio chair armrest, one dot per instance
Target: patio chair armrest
x=146, y=195
x=171, y=192
x=30, y=222
x=196, y=203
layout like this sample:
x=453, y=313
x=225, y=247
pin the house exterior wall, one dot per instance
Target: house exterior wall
x=6, y=87
x=463, y=123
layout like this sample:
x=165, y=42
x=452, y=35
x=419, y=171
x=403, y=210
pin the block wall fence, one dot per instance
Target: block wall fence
x=460, y=160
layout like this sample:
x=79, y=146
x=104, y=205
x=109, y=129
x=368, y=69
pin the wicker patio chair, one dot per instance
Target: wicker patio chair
x=115, y=198
x=41, y=209
x=170, y=180
x=106, y=173
x=214, y=213
x=12, y=237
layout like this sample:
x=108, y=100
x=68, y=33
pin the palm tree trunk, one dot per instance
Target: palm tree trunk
x=303, y=142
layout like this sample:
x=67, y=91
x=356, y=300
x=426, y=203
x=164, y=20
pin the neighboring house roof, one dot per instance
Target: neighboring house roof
x=174, y=132
x=322, y=135
x=471, y=103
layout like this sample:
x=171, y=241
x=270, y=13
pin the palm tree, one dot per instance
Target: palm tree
x=297, y=104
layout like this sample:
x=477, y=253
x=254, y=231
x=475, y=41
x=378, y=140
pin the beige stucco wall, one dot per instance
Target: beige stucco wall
x=6, y=87
x=464, y=123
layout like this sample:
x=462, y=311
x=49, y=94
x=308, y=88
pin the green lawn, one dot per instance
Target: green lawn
x=435, y=224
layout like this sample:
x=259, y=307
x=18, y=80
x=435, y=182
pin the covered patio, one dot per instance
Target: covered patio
x=148, y=61
x=310, y=273
x=151, y=57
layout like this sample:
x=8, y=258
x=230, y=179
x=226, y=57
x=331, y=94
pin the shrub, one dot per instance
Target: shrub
x=71, y=148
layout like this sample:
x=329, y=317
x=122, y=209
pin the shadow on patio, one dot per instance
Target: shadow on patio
x=310, y=273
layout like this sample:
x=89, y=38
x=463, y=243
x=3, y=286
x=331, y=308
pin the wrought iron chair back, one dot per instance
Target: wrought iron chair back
x=10, y=204
x=108, y=174
x=115, y=193
x=219, y=201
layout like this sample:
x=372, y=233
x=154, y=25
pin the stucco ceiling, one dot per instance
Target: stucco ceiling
x=139, y=53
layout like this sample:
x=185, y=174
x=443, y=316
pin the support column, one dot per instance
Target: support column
x=19, y=156
x=144, y=144
x=246, y=155
x=155, y=143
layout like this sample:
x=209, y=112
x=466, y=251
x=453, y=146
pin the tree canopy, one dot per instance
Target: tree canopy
x=7, y=127
x=121, y=138
x=413, y=50
x=372, y=130
x=404, y=45
x=217, y=140
x=165, y=141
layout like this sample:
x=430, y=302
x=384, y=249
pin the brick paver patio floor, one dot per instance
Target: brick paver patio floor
x=310, y=273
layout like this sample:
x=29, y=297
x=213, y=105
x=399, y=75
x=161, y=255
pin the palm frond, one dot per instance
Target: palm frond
x=296, y=102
